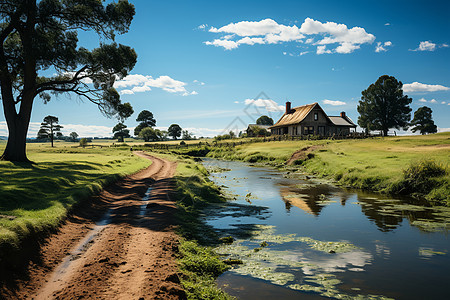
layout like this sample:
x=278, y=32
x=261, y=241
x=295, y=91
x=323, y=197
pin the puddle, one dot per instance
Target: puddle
x=307, y=239
x=143, y=207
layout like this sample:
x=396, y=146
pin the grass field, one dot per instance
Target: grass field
x=35, y=198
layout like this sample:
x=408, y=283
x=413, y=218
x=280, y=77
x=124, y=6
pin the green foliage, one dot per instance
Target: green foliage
x=174, y=131
x=150, y=134
x=146, y=119
x=383, y=106
x=73, y=136
x=48, y=128
x=120, y=132
x=422, y=178
x=83, y=142
x=254, y=130
x=423, y=121
x=264, y=120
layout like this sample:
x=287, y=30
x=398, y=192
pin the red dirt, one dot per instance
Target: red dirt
x=132, y=257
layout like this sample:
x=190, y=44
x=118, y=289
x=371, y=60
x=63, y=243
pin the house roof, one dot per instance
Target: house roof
x=341, y=121
x=296, y=115
x=260, y=126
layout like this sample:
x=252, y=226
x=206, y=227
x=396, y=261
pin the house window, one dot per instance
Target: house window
x=316, y=116
x=309, y=129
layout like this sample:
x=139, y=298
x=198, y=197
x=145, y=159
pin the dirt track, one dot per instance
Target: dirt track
x=121, y=246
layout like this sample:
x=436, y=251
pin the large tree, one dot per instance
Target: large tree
x=51, y=127
x=38, y=38
x=423, y=121
x=146, y=119
x=383, y=106
x=264, y=120
x=174, y=131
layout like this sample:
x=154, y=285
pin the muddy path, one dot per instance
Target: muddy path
x=120, y=245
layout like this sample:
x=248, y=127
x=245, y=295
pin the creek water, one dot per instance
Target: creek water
x=303, y=238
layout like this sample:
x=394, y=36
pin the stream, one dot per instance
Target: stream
x=299, y=237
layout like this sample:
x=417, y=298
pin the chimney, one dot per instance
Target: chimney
x=343, y=115
x=288, y=107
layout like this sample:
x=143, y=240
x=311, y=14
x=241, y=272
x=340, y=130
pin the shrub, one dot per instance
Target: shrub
x=420, y=178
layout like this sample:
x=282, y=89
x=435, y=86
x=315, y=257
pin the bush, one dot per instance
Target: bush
x=420, y=178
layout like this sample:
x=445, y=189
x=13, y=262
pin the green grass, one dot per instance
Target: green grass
x=35, y=198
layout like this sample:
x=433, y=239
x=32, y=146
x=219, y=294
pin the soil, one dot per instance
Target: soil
x=302, y=154
x=119, y=245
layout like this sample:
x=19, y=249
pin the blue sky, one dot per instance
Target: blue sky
x=212, y=66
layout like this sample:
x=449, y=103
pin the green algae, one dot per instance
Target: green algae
x=279, y=266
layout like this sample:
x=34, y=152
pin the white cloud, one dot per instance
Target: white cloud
x=198, y=82
x=268, y=31
x=227, y=44
x=387, y=24
x=334, y=103
x=202, y=26
x=444, y=46
x=269, y=104
x=303, y=53
x=433, y=101
x=443, y=102
x=144, y=83
x=349, y=39
x=422, y=100
x=421, y=87
x=426, y=46
x=322, y=50
x=381, y=47
x=237, y=102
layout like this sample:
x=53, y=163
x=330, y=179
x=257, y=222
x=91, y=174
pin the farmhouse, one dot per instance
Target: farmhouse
x=311, y=119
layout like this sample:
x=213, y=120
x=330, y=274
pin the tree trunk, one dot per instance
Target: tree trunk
x=17, y=126
x=16, y=147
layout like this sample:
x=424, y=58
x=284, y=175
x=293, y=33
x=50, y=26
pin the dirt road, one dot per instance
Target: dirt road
x=120, y=246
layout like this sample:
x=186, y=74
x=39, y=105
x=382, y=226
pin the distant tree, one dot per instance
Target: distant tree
x=186, y=135
x=120, y=132
x=423, y=121
x=40, y=56
x=42, y=134
x=232, y=134
x=254, y=130
x=73, y=136
x=174, y=131
x=83, y=142
x=383, y=106
x=149, y=134
x=146, y=119
x=51, y=127
x=264, y=120
x=59, y=135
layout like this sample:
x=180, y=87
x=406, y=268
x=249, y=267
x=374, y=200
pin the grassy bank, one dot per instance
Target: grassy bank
x=35, y=198
x=385, y=165
x=199, y=264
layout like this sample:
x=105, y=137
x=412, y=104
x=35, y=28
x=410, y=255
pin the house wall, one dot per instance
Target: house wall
x=311, y=126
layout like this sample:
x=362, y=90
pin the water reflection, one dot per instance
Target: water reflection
x=325, y=240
